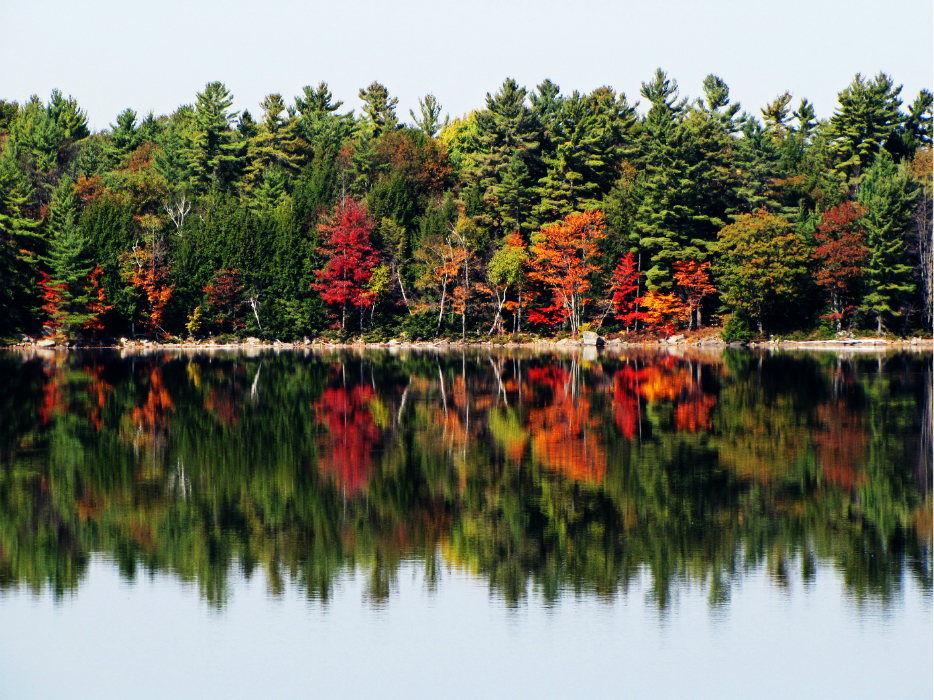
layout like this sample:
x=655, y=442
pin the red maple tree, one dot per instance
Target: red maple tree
x=625, y=291
x=351, y=259
x=842, y=254
x=224, y=297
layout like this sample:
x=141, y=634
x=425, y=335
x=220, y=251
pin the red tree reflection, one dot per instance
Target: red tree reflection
x=347, y=448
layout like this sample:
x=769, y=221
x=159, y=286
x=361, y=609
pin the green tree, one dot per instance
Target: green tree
x=214, y=151
x=888, y=194
x=762, y=264
x=867, y=118
x=429, y=119
x=379, y=109
x=506, y=131
x=683, y=201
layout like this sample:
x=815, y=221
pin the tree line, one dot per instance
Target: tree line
x=542, y=212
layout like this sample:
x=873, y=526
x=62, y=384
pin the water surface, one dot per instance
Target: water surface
x=415, y=524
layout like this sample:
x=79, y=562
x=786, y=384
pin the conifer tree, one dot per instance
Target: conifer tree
x=124, y=137
x=17, y=234
x=379, y=110
x=429, y=119
x=507, y=130
x=274, y=145
x=683, y=203
x=887, y=194
x=214, y=151
x=865, y=121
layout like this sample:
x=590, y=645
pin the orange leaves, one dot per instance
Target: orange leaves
x=663, y=311
x=149, y=273
x=154, y=412
x=97, y=300
x=565, y=436
x=562, y=260
x=693, y=280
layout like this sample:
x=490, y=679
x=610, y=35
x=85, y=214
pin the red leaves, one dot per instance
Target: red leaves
x=842, y=254
x=97, y=301
x=351, y=434
x=225, y=299
x=625, y=291
x=54, y=297
x=351, y=258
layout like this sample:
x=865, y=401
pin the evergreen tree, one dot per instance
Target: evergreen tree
x=887, y=194
x=776, y=116
x=379, y=109
x=683, y=203
x=214, y=151
x=716, y=102
x=274, y=146
x=579, y=161
x=506, y=130
x=124, y=137
x=864, y=123
x=429, y=121
x=17, y=234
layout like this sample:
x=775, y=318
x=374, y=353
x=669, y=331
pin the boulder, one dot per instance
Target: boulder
x=46, y=343
x=591, y=338
x=675, y=338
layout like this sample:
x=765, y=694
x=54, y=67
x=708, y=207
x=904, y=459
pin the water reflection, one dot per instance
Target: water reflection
x=533, y=472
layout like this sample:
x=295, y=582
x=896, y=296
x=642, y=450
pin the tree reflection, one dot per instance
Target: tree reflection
x=531, y=472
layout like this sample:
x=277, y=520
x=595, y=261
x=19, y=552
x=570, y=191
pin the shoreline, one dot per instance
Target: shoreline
x=709, y=343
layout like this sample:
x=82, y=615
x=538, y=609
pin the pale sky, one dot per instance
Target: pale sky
x=111, y=55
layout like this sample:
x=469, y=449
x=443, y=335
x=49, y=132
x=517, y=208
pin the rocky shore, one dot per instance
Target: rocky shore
x=588, y=339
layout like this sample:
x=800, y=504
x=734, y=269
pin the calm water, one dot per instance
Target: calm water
x=421, y=524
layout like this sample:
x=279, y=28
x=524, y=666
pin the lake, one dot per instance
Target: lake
x=693, y=522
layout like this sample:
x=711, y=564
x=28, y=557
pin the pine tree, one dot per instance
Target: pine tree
x=124, y=137
x=274, y=146
x=580, y=160
x=683, y=201
x=776, y=115
x=379, y=110
x=66, y=286
x=887, y=194
x=867, y=118
x=506, y=130
x=214, y=151
x=17, y=234
x=429, y=119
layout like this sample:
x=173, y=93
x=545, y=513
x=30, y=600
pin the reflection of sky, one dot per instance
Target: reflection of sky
x=157, y=638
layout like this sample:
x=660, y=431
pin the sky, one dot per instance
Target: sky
x=155, y=56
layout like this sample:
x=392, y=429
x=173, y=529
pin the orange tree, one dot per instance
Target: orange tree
x=663, y=311
x=693, y=280
x=148, y=272
x=562, y=259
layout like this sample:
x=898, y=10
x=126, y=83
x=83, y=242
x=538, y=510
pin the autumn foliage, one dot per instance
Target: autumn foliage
x=841, y=255
x=625, y=291
x=563, y=259
x=351, y=259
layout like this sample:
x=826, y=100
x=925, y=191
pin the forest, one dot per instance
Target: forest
x=542, y=213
